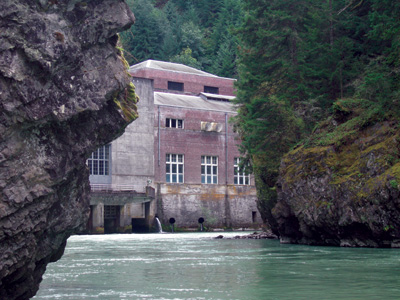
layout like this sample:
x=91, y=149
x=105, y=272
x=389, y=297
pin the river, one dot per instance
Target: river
x=196, y=266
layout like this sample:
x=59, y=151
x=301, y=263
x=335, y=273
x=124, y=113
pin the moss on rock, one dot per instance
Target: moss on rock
x=126, y=101
x=340, y=187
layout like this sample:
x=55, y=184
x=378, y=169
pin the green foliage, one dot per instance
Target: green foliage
x=164, y=30
x=186, y=58
x=349, y=117
x=300, y=60
x=143, y=40
x=394, y=184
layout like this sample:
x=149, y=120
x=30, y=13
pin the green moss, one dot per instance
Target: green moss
x=125, y=229
x=120, y=52
x=360, y=155
x=99, y=230
x=126, y=102
x=303, y=162
x=394, y=184
x=350, y=116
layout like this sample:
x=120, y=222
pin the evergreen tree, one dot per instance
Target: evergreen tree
x=143, y=40
x=165, y=29
x=186, y=58
x=225, y=62
x=223, y=44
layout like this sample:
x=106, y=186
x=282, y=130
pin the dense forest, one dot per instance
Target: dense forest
x=301, y=60
x=296, y=61
x=195, y=33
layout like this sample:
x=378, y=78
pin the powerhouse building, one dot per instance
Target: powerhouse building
x=179, y=161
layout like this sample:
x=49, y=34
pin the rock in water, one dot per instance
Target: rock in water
x=64, y=91
x=345, y=191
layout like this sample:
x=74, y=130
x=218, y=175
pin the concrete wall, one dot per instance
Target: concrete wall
x=220, y=205
x=133, y=152
x=132, y=166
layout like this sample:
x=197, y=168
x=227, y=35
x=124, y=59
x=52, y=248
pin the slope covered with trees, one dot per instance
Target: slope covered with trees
x=296, y=59
x=196, y=33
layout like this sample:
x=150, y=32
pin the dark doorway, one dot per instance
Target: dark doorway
x=142, y=225
x=111, y=218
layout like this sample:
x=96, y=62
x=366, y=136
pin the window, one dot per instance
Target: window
x=175, y=86
x=110, y=211
x=173, y=123
x=211, y=89
x=209, y=169
x=174, y=168
x=239, y=176
x=99, y=161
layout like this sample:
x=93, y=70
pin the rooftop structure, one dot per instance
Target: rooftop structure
x=178, y=78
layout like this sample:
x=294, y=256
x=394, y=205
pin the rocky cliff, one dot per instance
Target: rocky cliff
x=341, y=186
x=64, y=91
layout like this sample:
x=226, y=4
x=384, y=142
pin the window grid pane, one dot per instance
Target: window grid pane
x=209, y=169
x=99, y=161
x=174, y=168
x=239, y=177
x=173, y=123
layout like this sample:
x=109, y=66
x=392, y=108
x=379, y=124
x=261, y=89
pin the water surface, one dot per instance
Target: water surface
x=196, y=266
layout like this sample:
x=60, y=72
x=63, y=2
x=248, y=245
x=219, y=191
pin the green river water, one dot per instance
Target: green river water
x=196, y=266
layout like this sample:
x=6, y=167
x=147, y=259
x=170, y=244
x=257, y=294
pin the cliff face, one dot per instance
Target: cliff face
x=341, y=187
x=64, y=91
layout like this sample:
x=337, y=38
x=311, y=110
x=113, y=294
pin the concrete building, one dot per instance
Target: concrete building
x=178, y=160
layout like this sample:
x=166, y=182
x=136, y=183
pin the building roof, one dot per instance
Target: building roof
x=218, y=97
x=168, y=66
x=193, y=102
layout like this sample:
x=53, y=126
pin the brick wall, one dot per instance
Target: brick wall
x=192, y=83
x=192, y=142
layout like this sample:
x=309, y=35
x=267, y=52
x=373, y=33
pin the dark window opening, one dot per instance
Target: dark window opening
x=211, y=89
x=175, y=86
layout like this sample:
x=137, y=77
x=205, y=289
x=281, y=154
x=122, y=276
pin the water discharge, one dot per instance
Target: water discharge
x=196, y=266
x=159, y=227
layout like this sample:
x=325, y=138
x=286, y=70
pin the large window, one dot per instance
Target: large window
x=99, y=161
x=174, y=168
x=173, y=123
x=209, y=169
x=240, y=177
x=175, y=86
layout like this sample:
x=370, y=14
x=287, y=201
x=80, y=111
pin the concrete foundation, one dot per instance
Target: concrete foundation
x=220, y=206
x=124, y=212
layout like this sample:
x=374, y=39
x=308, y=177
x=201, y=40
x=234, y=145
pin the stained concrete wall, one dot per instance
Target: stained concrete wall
x=220, y=205
x=133, y=152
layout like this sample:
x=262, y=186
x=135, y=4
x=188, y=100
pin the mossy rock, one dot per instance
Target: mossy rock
x=126, y=101
x=341, y=187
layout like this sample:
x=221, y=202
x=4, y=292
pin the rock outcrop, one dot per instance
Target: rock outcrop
x=341, y=187
x=64, y=91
